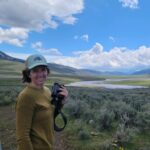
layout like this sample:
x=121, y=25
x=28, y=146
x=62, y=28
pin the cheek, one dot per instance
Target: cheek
x=45, y=74
x=32, y=76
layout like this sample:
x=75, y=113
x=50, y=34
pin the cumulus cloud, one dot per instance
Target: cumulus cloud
x=34, y=15
x=13, y=36
x=84, y=37
x=130, y=3
x=95, y=50
x=51, y=51
x=39, y=14
x=116, y=59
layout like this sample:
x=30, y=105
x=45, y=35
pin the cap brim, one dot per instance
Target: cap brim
x=38, y=64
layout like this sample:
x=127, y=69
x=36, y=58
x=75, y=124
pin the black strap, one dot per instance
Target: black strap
x=56, y=113
x=57, y=102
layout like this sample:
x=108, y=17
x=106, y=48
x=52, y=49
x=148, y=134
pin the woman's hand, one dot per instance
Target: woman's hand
x=63, y=92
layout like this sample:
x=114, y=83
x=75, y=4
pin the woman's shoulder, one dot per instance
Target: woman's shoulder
x=25, y=95
x=47, y=90
x=25, y=92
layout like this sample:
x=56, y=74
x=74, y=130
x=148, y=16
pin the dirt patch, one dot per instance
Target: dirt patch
x=7, y=127
x=7, y=130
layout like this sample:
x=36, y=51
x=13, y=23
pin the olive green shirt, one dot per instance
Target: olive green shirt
x=34, y=119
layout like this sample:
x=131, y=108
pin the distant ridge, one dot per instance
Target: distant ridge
x=56, y=68
x=61, y=69
x=7, y=57
x=145, y=71
x=66, y=70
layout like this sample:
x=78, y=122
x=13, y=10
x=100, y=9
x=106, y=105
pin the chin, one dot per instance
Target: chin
x=40, y=83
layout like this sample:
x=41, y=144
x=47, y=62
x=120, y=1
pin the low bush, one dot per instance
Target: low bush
x=122, y=114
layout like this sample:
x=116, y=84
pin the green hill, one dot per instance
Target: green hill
x=10, y=68
x=57, y=69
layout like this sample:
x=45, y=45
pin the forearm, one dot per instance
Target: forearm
x=23, y=132
x=24, y=113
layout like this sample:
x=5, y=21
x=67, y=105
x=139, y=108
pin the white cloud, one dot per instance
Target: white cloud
x=112, y=38
x=130, y=3
x=34, y=15
x=51, y=51
x=18, y=55
x=116, y=59
x=39, y=14
x=95, y=50
x=84, y=37
x=37, y=45
x=13, y=36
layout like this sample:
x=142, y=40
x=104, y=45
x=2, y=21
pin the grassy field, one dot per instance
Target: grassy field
x=98, y=119
x=141, y=82
x=101, y=118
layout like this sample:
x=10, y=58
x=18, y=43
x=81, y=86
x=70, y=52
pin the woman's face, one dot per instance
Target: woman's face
x=38, y=75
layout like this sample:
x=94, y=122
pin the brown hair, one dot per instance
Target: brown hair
x=25, y=75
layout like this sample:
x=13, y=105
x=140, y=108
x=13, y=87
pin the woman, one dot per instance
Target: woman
x=34, y=111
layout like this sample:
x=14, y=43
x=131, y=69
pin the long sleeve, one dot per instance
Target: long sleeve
x=24, y=115
x=34, y=119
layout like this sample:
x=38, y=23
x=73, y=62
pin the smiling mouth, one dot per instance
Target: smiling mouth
x=41, y=79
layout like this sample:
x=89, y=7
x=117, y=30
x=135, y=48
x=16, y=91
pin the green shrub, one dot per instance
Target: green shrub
x=122, y=114
x=145, y=147
x=78, y=109
x=84, y=135
x=124, y=135
x=104, y=118
x=106, y=145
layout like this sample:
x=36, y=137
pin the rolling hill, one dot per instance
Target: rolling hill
x=17, y=65
x=7, y=57
x=66, y=70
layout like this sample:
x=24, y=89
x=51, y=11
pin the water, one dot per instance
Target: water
x=104, y=84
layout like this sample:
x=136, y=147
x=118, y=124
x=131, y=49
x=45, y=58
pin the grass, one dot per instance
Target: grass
x=79, y=135
x=10, y=66
x=104, y=140
x=7, y=127
x=126, y=76
x=135, y=82
x=79, y=130
x=90, y=139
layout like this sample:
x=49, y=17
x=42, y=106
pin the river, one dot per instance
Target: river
x=106, y=84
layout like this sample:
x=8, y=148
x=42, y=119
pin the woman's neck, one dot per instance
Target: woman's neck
x=36, y=86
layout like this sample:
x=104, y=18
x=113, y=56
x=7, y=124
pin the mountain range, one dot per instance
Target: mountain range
x=66, y=70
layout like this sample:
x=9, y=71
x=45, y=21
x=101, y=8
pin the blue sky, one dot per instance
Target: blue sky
x=104, y=35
